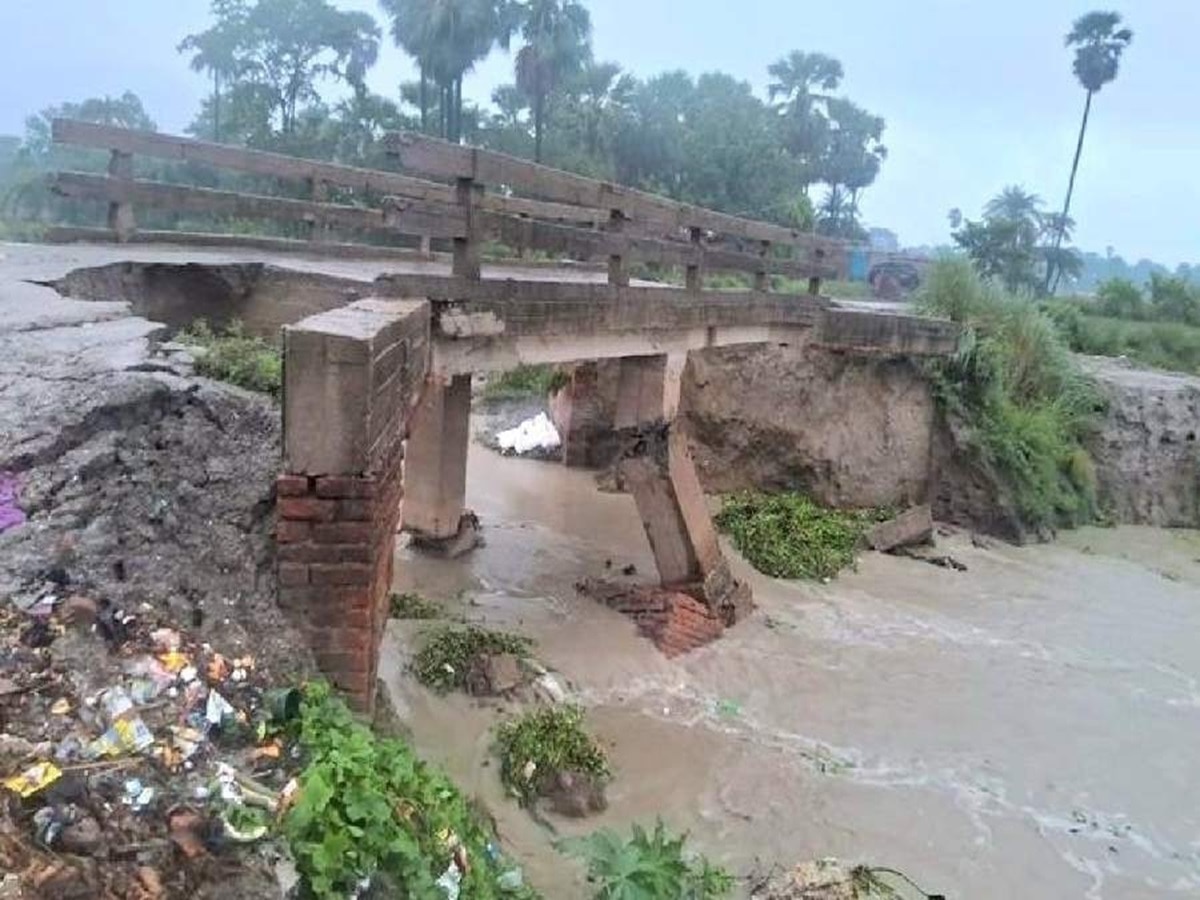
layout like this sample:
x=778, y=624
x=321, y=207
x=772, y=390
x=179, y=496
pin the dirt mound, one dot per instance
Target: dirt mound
x=160, y=499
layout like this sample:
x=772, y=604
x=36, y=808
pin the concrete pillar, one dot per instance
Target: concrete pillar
x=640, y=391
x=435, y=464
x=582, y=411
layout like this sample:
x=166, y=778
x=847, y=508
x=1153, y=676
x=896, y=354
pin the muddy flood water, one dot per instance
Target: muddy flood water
x=1029, y=728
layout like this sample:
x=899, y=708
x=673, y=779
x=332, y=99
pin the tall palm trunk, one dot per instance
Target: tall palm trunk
x=216, y=106
x=1051, y=272
x=424, y=89
x=539, y=121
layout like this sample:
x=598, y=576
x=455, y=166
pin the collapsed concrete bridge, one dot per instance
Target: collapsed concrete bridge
x=376, y=399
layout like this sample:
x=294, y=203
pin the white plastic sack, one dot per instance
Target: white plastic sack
x=537, y=433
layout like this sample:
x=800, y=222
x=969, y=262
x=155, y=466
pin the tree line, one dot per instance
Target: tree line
x=290, y=76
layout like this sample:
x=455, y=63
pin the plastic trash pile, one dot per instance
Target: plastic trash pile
x=536, y=434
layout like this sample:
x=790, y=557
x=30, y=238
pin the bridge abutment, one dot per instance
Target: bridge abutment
x=351, y=377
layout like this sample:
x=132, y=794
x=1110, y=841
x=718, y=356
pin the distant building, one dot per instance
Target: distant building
x=883, y=240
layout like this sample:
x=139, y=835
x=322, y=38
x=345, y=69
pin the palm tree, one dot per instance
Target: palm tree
x=1098, y=44
x=557, y=41
x=447, y=38
x=604, y=91
x=1015, y=204
x=215, y=51
x=804, y=82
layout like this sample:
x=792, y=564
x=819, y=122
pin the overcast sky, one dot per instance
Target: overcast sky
x=976, y=94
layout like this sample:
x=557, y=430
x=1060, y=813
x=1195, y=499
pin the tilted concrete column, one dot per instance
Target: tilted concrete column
x=351, y=376
x=435, y=467
x=657, y=468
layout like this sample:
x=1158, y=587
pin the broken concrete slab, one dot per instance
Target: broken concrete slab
x=913, y=526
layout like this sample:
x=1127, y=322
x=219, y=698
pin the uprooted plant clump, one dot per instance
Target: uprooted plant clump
x=547, y=752
x=411, y=605
x=450, y=654
x=789, y=535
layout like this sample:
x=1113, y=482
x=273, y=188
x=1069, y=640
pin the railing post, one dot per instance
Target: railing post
x=762, y=280
x=694, y=276
x=466, y=249
x=120, y=215
x=618, y=270
x=318, y=190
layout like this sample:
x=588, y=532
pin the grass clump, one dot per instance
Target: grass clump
x=234, y=356
x=525, y=382
x=1013, y=383
x=450, y=653
x=369, y=807
x=411, y=605
x=788, y=535
x=648, y=864
x=542, y=743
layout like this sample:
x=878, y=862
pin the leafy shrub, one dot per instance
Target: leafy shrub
x=446, y=659
x=524, y=382
x=1015, y=384
x=1163, y=345
x=234, y=356
x=648, y=865
x=544, y=742
x=789, y=536
x=411, y=605
x=368, y=805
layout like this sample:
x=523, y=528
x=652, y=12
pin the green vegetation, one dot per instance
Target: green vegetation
x=1014, y=384
x=648, y=865
x=233, y=355
x=542, y=743
x=450, y=652
x=369, y=806
x=411, y=605
x=789, y=536
x=1164, y=345
x=524, y=382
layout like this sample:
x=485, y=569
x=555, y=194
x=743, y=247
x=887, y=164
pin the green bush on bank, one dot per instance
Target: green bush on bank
x=235, y=356
x=648, y=864
x=1014, y=384
x=368, y=806
x=1163, y=345
x=525, y=382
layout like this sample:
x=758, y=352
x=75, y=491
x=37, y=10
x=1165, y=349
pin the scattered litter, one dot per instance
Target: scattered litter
x=551, y=687
x=48, y=824
x=729, y=709
x=186, y=827
x=217, y=708
x=60, y=707
x=39, y=633
x=116, y=703
x=512, y=880
x=537, y=433
x=218, y=669
x=34, y=779
x=174, y=661
x=11, y=515
x=130, y=735
x=451, y=882
x=138, y=795
x=114, y=623
x=166, y=640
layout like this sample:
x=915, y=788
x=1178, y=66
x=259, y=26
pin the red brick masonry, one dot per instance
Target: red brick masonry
x=675, y=622
x=335, y=539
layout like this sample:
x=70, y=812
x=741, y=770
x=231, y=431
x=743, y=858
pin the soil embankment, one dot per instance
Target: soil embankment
x=855, y=431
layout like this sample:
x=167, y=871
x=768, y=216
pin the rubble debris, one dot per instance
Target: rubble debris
x=911, y=527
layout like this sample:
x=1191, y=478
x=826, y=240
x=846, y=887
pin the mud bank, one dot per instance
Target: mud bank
x=980, y=731
x=860, y=431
